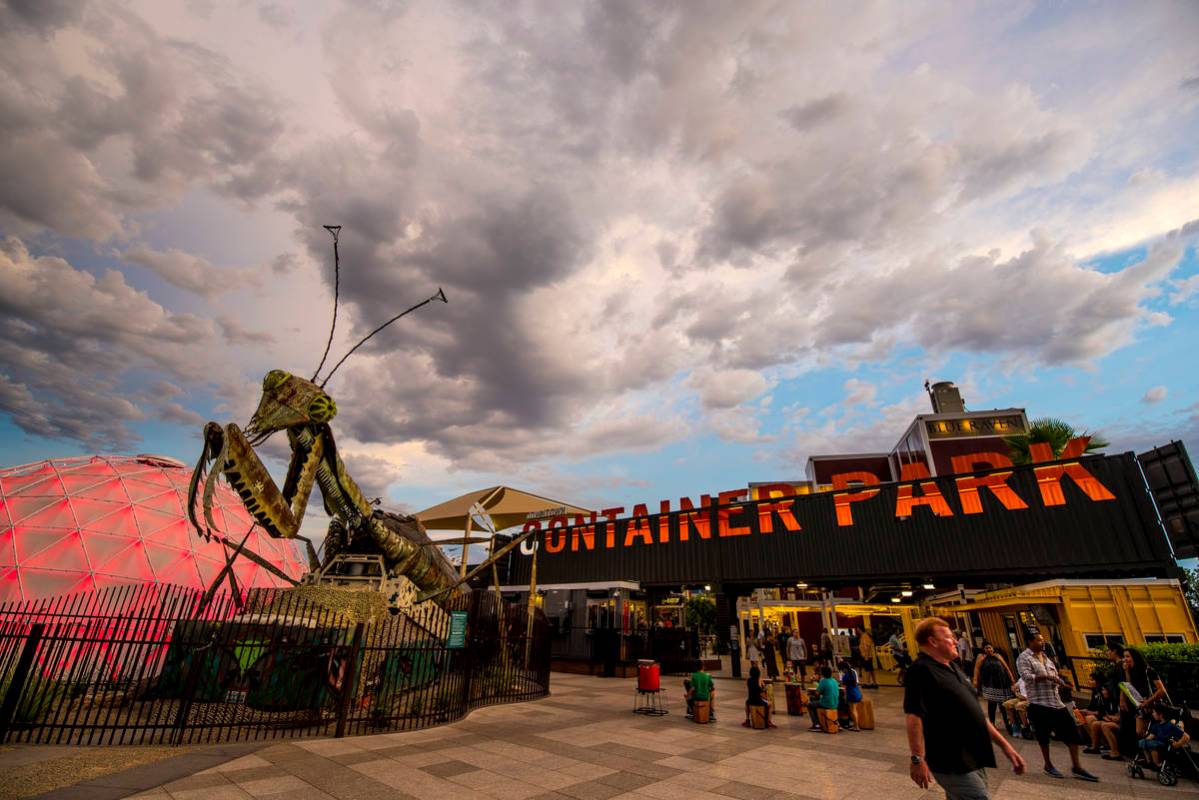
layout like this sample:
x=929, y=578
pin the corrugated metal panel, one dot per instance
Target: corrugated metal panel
x=1082, y=537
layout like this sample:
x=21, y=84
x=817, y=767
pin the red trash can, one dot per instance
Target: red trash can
x=649, y=676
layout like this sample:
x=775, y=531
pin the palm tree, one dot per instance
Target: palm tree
x=1055, y=432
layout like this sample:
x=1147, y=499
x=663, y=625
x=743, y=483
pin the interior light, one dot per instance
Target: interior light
x=929, y=586
x=906, y=593
x=707, y=587
x=894, y=599
x=802, y=585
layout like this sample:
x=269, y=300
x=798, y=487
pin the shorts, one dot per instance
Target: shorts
x=1149, y=745
x=761, y=701
x=1046, y=721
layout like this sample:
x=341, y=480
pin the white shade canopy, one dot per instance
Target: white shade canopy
x=506, y=507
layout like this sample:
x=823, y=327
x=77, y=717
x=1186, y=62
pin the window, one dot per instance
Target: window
x=1098, y=641
x=1169, y=638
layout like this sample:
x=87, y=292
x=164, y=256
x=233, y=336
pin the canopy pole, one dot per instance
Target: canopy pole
x=532, y=605
x=465, y=544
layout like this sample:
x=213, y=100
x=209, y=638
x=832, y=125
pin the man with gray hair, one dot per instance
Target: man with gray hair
x=949, y=736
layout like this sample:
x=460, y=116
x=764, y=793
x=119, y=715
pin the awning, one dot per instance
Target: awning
x=506, y=507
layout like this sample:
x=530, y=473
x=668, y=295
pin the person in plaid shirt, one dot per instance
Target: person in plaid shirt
x=1046, y=711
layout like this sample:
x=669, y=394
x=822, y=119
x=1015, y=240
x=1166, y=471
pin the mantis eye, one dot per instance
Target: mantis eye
x=322, y=408
x=273, y=380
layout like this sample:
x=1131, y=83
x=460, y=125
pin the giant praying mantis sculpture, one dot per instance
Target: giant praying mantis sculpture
x=303, y=410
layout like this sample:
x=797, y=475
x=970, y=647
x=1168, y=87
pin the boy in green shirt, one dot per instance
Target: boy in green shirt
x=701, y=687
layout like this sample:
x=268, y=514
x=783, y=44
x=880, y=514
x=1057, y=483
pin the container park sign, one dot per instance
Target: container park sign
x=1077, y=516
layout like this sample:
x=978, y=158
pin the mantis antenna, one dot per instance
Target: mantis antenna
x=439, y=296
x=334, y=231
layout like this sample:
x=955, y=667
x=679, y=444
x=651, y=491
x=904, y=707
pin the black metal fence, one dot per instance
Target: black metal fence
x=154, y=664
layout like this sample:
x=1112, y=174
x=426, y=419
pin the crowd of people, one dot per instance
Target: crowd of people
x=951, y=737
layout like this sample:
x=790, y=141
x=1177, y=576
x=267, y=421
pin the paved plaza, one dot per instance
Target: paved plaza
x=583, y=743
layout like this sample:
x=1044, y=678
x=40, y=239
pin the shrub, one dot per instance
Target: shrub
x=1178, y=667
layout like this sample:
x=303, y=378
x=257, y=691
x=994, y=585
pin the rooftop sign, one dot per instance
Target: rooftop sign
x=1074, y=516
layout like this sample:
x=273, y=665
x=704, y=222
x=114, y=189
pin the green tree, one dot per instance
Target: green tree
x=1190, y=588
x=1052, y=431
x=701, y=613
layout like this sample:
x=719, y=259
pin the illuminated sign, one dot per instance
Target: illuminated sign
x=1008, y=425
x=1066, y=515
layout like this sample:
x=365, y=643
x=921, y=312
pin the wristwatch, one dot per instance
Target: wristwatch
x=917, y=760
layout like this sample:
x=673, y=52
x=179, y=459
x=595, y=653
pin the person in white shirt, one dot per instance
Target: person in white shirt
x=753, y=652
x=1046, y=711
x=966, y=653
x=797, y=654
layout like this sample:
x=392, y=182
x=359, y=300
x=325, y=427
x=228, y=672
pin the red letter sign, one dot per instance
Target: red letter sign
x=841, y=500
x=930, y=495
x=783, y=509
x=1049, y=479
x=996, y=482
x=638, y=526
x=722, y=516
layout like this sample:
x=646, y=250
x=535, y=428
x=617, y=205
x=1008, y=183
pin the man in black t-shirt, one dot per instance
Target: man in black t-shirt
x=949, y=736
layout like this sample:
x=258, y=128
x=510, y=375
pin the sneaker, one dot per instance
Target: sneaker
x=1083, y=775
x=1053, y=772
x=816, y=728
x=1091, y=751
x=1112, y=757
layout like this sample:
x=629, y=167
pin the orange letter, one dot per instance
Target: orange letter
x=638, y=526
x=555, y=542
x=930, y=495
x=1049, y=479
x=610, y=528
x=587, y=534
x=841, y=500
x=783, y=509
x=996, y=482
x=700, y=521
x=664, y=522
x=722, y=515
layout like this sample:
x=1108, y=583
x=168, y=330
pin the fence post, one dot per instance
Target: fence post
x=350, y=682
x=194, y=669
x=13, y=696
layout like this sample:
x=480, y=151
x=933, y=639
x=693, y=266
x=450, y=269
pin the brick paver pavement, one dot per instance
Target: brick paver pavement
x=583, y=743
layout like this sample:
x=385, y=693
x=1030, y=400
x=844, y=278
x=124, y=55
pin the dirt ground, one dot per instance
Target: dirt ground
x=30, y=770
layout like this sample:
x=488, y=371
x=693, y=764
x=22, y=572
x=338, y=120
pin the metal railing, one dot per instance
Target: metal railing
x=155, y=664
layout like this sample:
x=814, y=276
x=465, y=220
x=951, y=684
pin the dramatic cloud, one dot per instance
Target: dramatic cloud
x=727, y=388
x=190, y=272
x=66, y=339
x=644, y=216
x=99, y=130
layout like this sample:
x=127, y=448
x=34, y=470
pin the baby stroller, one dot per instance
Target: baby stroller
x=1176, y=761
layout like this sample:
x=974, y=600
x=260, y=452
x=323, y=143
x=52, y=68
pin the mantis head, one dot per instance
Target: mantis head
x=287, y=402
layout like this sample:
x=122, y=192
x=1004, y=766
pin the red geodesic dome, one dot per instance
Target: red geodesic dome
x=79, y=524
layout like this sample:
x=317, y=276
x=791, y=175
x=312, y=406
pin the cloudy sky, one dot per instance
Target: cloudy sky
x=685, y=244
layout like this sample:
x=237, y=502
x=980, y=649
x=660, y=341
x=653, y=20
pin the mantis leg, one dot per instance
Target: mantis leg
x=253, y=483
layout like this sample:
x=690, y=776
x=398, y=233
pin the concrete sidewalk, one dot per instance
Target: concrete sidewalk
x=583, y=743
